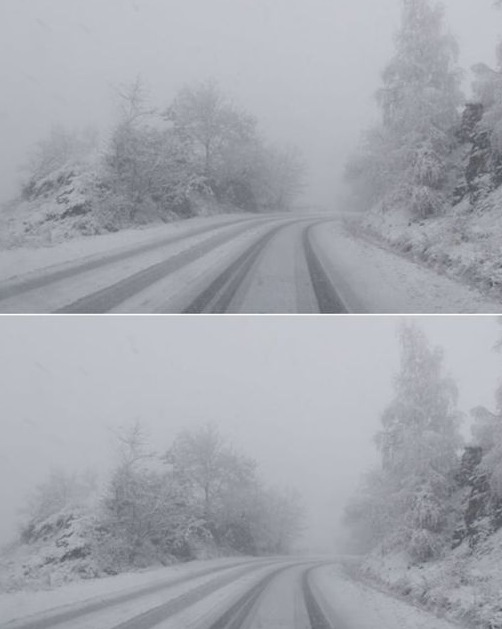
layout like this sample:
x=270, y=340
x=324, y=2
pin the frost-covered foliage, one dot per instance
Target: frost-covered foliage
x=198, y=156
x=202, y=499
x=227, y=496
x=419, y=444
x=458, y=185
x=406, y=159
x=228, y=154
x=432, y=501
x=406, y=504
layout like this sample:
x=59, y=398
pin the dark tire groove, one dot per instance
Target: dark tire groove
x=13, y=288
x=328, y=300
x=159, y=614
x=235, y=616
x=316, y=616
x=230, y=280
x=106, y=299
x=52, y=620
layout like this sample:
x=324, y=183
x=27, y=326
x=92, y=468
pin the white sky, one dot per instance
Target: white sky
x=301, y=395
x=306, y=68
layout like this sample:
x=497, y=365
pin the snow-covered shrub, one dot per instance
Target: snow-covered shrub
x=425, y=201
x=424, y=544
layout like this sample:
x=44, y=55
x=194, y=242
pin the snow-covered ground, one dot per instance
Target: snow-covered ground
x=199, y=592
x=25, y=603
x=465, y=585
x=373, y=279
x=23, y=260
x=355, y=605
x=369, y=277
x=465, y=243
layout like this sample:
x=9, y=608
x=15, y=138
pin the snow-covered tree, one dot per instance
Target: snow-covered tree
x=204, y=116
x=212, y=469
x=419, y=443
x=147, y=512
x=237, y=509
x=407, y=504
x=486, y=160
x=419, y=101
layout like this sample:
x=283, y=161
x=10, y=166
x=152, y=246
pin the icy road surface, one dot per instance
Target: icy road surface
x=245, y=594
x=228, y=264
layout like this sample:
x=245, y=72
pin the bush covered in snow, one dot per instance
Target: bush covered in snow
x=201, y=499
x=201, y=155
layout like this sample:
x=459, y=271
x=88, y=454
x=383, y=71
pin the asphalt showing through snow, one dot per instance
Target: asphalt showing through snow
x=239, y=611
x=242, y=244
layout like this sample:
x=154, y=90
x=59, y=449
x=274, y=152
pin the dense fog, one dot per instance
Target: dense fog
x=303, y=401
x=307, y=71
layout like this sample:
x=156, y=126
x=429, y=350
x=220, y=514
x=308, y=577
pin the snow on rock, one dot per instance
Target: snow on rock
x=55, y=551
x=54, y=208
x=75, y=201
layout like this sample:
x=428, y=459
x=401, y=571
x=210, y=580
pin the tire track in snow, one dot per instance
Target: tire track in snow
x=217, y=297
x=316, y=616
x=328, y=299
x=106, y=299
x=47, y=620
x=14, y=288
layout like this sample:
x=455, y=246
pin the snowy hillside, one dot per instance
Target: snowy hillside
x=464, y=243
x=154, y=509
x=429, y=173
x=57, y=550
x=428, y=518
x=465, y=585
x=196, y=157
x=74, y=201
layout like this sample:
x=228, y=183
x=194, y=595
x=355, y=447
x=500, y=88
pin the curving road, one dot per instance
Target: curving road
x=270, y=264
x=254, y=594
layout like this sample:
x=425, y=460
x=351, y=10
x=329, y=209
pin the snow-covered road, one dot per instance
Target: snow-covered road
x=241, y=264
x=240, y=594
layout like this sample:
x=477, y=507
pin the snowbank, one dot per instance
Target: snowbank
x=26, y=259
x=465, y=243
x=370, y=278
x=465, y=585
x=25, y=603
x=356, y=604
